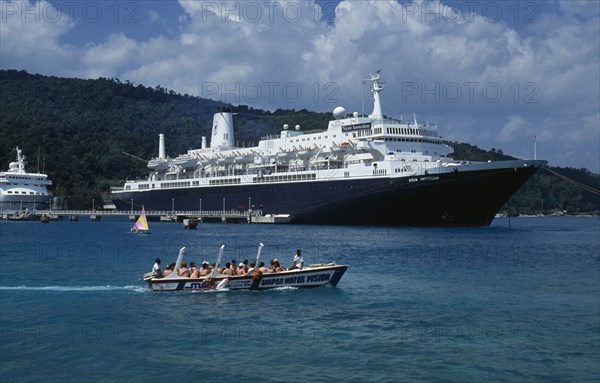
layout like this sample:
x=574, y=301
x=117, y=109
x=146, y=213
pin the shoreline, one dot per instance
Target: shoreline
x=582, y=215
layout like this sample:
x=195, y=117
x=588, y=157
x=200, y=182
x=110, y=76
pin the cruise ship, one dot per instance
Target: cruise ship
x=361, y=170
x=20, y=190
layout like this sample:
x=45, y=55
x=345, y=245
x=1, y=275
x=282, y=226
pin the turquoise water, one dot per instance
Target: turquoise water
x=417, y=304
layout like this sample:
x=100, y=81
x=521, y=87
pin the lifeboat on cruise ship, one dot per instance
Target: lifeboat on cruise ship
x=225, y=160
x=341, y=148
x=186, y=161
x=286, y=155
x=244, y=159
x=307, y=152
x=159, y=164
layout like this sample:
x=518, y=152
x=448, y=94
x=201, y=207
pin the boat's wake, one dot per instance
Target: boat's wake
x=283, y=288
x=76, y=288
x=212, y=291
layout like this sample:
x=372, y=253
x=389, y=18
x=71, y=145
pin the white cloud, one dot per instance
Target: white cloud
x=546, y=72
x=515, y=129
x=154, y=17
x=30, y=33
x=111, y=56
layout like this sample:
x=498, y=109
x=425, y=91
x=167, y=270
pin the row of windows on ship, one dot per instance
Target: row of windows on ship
x=264, y=179
x=406, y=131
x=19, y=184
x=16, y=192
x=230, y=181
x=369, y=132
x=26, y=178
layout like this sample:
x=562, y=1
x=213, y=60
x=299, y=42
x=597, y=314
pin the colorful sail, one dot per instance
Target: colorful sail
x=142, y=223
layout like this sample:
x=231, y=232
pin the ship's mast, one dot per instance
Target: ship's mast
x=20, y=161
x=377, y=87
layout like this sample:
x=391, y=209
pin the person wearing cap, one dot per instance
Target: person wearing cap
x=205, y=270
x=271, y=267
x=241, y=270
x=156, y=271
x=276, y=266
x=298, y=261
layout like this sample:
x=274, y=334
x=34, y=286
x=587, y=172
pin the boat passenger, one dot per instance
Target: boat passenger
x=205, y=270
x=195, y=272
x=241, y=270
x=169, y=269
x=262, y=268
x=234, y=267
x=183, y=271
x=156, y=271
x=298, y=261
x=277, y=267
x=227, y=270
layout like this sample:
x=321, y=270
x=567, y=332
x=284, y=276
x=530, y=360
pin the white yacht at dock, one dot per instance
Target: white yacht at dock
x=20, y=190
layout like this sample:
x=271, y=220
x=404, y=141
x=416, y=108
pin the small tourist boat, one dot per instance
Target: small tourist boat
x=314, y=275
x=141, y=225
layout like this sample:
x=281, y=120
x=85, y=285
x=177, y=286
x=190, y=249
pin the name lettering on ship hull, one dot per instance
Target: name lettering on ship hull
x=429, y=178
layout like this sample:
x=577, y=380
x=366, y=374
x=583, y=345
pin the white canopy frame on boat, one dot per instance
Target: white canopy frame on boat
x=173, y=274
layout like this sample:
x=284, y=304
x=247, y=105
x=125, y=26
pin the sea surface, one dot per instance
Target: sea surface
x=513, y=304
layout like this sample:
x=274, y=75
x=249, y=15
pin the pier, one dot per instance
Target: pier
x=228, y=216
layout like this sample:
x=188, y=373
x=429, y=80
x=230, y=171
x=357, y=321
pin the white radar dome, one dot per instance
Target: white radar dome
x=339, y=113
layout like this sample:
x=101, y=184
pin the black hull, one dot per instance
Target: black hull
x=461, y=198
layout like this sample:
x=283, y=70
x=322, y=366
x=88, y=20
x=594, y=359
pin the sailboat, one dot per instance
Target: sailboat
x=141, y=225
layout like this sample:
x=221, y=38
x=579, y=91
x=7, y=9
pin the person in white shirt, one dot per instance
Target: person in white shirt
x=156, y=271
x=298, y=261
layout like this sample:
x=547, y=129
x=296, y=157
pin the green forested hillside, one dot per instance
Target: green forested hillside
x=80, y=129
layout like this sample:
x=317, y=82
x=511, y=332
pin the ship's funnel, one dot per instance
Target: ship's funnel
x=222, y=131
x=203, y=142
x=161, y=146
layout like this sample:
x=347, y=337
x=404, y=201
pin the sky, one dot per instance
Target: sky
x=496, y=74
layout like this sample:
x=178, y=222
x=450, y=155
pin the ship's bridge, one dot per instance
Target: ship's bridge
x=393, y=136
